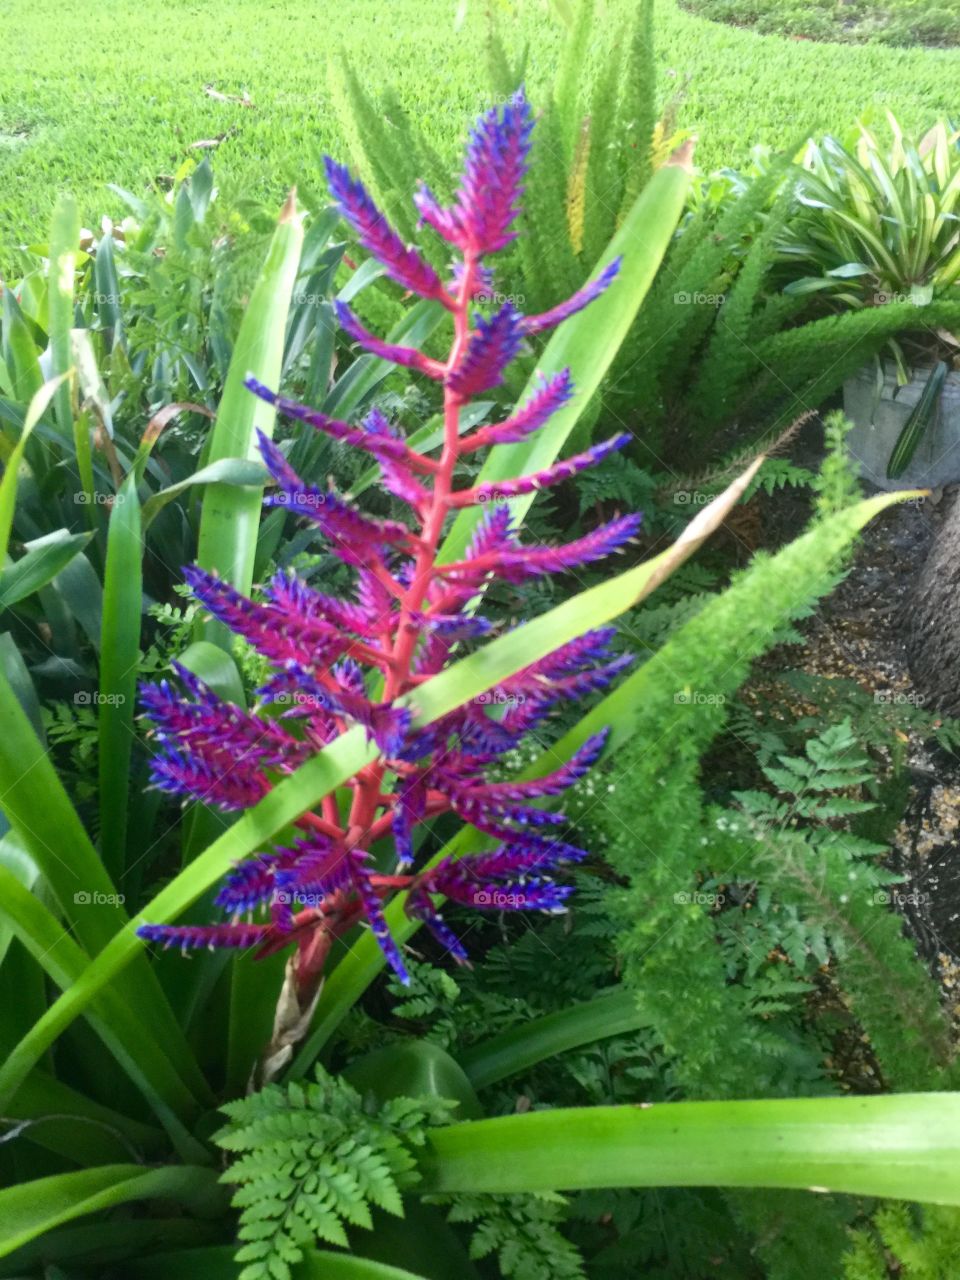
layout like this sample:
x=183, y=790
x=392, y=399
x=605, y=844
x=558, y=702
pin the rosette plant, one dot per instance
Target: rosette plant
x=385, y=707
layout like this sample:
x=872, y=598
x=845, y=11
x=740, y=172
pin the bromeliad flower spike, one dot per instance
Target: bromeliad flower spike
x=406, y=617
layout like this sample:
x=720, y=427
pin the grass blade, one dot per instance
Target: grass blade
x=120, y=653
x=64, y=241
x=231, y=516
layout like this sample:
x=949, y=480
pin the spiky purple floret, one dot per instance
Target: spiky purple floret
x=227, y=784
x=550, y=395
x=529, y=562
x=560, y=471
x=301, y=602
x=408, y=357
x=420, y=907
x=249, y=885
x=385, y=724
x=551, y=784
x=354, y=537
x=487, y=201
x=210, y=726
x=376, y=235
x=382, y=444
x=462, y=881
x=191, y=936
x=279, y=628
x=582, y=298
x=373, y=910
x=313, y=868
x=492, y=346
x=453, y=626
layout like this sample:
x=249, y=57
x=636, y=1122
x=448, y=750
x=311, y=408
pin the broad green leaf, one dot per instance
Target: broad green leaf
x=414, y=1069
x=43, y=559
x=40, y=813
x=219, y=1264
x=121, y=1027
x=235, y=472
x=587, y=343
x=28, y=1210
x=15, y=859
x=20, y=354
x=64, y=242
x=231, y=516
x=904, y=1146
x=11, y=474
x=107, y=297
x=65, y=1120
x=119, y=656
x=515, y=1050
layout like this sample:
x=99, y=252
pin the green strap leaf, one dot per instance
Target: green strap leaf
x=64, y=241
x=228, y=471
x=231, y=516
x=43, y=560
x=904, y=1146
x=28, y=1210
x=11, y=474
x=515, y=1050
x=219, y=1264
x=39, y=811
x=122, y=1029
x=120, y=654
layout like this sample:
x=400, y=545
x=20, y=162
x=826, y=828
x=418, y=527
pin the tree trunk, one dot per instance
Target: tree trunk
x=933, y=619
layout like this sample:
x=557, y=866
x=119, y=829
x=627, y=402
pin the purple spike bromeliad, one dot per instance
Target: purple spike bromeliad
x=407, y=615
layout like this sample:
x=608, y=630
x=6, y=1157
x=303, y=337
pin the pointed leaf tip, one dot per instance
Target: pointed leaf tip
x=289, y=212
x=682, y=157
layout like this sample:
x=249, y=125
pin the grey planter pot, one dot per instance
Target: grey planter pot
x=878, y=423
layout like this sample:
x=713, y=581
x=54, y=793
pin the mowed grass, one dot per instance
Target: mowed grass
x=899, y=22
x=113, y=90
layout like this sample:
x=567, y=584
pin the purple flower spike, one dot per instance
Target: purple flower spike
x=409, y=357
x=559, y=472
x=582, y=298
x=488, y=200
x=355, y=538
x=376, y=235
x=359, y=657
x=551, y=395
x=380, y=444
x=494, y=344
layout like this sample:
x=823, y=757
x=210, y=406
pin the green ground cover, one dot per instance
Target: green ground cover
x=115, y=92
x=893, y=22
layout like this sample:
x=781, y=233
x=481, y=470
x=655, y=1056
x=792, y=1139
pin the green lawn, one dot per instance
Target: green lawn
x=114, y=92
x=898, y=22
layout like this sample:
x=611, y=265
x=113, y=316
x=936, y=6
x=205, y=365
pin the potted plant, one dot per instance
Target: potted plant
x=876, y=224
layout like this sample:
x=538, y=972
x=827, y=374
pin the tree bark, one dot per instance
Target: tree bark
x=933, y=619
